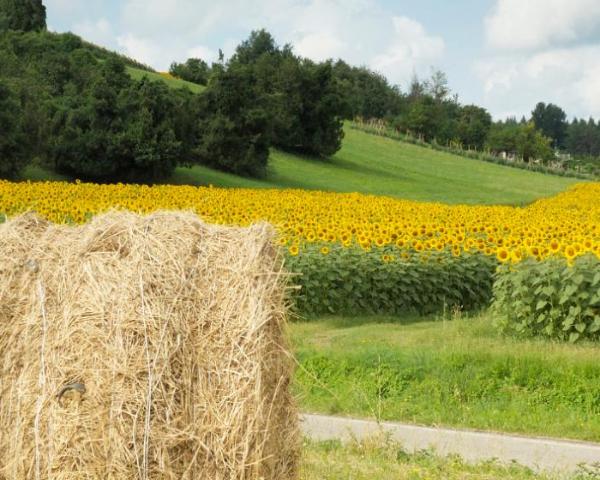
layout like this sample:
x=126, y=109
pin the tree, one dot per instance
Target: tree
x=422, y=118
x=259, y=43
x=302, y=98
x=583, y=138
x=551, y=120
x=234, y=128
x=473, y=126
x=22, y=15
x=366, y=93
x=193, y=70
x=309, y=111
x=13, y=150
x=521, y=139
x=532, y=145
x=437, y=86
x=112, y=128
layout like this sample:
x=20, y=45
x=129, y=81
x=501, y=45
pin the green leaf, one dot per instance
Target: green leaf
x=573, y=337
x=541, y=304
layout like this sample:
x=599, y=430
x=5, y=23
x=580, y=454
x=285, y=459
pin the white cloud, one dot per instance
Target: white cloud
x=202, y=52
x=141, y=49
x=542, y=50
x=565, y=76
x=99, y=32
x=537, y=24
x=411, y=50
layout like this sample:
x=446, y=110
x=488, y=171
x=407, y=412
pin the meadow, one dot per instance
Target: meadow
x=447, y=370
x=375, y=165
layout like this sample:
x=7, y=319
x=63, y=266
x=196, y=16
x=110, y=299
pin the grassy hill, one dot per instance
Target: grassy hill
x=380, y=166
x=376, y=165
x=138, y=74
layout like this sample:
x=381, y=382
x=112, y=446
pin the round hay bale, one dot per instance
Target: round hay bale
x=143, y=348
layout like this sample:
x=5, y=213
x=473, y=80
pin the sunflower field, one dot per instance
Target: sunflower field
x=367, y=253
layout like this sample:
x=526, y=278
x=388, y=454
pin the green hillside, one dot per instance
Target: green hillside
x=138, y=74
x=380, y=166
x=376, y=165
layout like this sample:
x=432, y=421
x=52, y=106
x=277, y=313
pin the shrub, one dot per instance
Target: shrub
x=350, y=280
x=550, y=298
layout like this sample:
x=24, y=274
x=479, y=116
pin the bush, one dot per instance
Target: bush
x=381, y=281
x=550, y=298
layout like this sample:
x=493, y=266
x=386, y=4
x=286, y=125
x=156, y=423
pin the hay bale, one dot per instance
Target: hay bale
x=143, y=347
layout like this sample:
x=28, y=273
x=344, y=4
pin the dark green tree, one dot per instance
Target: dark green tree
x=473, y=126
x=422, y=118
x=258, y=44
x=193, y=70
x=22, y=15
x=13, y=146
x=113, y=128
x=551, y=120
x=302, y=98
x=583, y=138
x=234, y=125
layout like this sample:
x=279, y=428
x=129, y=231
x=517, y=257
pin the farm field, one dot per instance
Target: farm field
x=379, y=166
x=378, y=459
x=456, y=372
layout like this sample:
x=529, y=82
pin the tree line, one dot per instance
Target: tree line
x=75, y=109
x=72, y=107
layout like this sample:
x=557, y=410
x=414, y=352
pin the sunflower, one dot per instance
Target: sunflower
x=503, y=254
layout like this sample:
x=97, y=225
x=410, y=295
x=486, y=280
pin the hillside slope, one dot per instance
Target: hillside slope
x=138, y=74
x=380, y=166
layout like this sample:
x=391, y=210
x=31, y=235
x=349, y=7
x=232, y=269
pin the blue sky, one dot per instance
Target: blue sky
x=505, y=55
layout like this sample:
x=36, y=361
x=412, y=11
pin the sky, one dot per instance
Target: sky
x=504, y=55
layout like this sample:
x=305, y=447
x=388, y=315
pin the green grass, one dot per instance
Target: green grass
x=380, y=460
x=376, y=165
x=138, y=74
x=457, y=373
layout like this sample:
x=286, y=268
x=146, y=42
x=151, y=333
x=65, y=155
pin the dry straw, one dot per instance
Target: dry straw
x=143, y=348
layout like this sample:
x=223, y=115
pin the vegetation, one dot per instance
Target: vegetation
x=557, y=227
x=114, y=128
x=350, y=280
x=556, y=299
x=358, y=253
x=194, y=70
x=301, y=96
x=449, y=370
x=169, y=80
x=379, y=458
x=375, y=165
x=12, y=151
x=234, y=127
x=499, y=157
x=22, y=15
